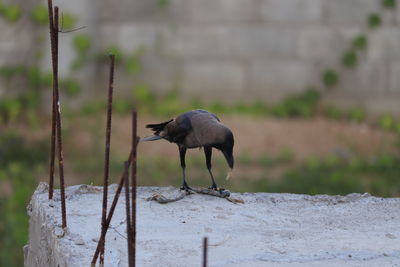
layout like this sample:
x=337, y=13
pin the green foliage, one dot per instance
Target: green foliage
x=81, y=43
x=71, y=87
x=330, y=78
x=217, y=107
x=122, y=106
x=357, y=114
x=12, y=13
x=68, y=21
x=40, y=15
x=386, y=121
x=389, y=3
x=298, y=105
x=349, y=59
x=163, y=3
x=286, y=155
x=10, y=109
x=14, y=148
x=374, y=21
x=93, y=107
x=19, y=164
x=116, y=51
x=143, y=96
x=320, y=179
x=244, y=159
x=360, y=42
x=133, y=64
x=335, y=176
x=333, y=112
x=397, y=127
x=9, y=71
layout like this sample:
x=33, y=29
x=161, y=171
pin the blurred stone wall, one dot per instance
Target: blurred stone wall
x=240, y=49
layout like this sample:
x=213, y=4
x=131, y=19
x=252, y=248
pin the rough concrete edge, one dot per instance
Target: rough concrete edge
x=43, y=248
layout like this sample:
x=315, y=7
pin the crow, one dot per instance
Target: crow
x=196, y=129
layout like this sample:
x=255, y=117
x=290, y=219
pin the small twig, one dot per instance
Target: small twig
x=73, y=30
x=62, y=26
x=182, y=193
x=115, y=229
x=163, y=200
x=207, y=191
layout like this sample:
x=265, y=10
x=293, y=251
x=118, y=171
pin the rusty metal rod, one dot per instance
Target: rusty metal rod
x=128, y=213
x=205, y=246
x=107, y=153
x=58, y=120
x=110, y=214
x=134, y=185
x=53, y=114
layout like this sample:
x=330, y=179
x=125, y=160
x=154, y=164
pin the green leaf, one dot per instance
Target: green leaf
x=12, y=13
x=143, y=95
x=360, y=42
x=386, y=121
x=117, y=52
x=40, y=15
x=163, y=3
x=71, y=87
x=374, y=20
x=81, y=43
x=330, y=78
x=389, y=3
x=67, y=22
x=349, y=59
x=357, y=114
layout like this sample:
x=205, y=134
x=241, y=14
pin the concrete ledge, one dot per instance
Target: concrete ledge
x=268, y=230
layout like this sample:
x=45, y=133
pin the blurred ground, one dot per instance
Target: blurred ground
x=295, y=139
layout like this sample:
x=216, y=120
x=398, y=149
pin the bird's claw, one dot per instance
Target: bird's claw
x=216, y=188
x=187, y=188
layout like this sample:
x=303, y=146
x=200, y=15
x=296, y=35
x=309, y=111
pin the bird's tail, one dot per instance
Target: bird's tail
x=157, y=128
x=150, y=138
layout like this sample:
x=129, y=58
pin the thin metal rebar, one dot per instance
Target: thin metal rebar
x=58, y=120
x=53, y=114
x=134, y=185
x=205, y=246
x=110, y=214
x=107, y=153
x=128, y=213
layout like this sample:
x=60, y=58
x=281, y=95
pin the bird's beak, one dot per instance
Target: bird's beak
x=229, y=175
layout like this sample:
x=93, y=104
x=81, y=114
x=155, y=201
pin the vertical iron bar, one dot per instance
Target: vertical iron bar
x=107, y=154
x=53, y=114
x=205, y=245
x=134, y=184
x=128, y=213
x=110, y=214
x=58, y=120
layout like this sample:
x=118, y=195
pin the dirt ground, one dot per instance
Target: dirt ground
x=254, y=137
x=257, y=136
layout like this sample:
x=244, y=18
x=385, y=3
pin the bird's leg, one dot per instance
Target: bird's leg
x=182, y=153
x=208, y=153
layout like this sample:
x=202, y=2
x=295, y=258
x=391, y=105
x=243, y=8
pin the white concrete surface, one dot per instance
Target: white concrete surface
x=268, y=230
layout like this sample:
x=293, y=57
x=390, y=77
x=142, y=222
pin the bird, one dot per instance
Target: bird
x=196, y=129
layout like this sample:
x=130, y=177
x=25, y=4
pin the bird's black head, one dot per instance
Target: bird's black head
x=227, y=148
